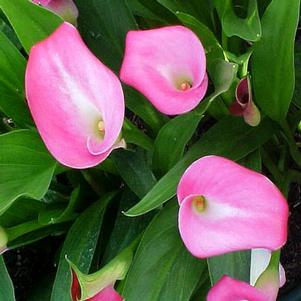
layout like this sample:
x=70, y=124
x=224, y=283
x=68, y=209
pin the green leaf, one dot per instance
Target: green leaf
x=132, y=134
x=59, y=213
x=172, y=139
x=248, y=28
x=12, y=70
x=21, y=211
x=201, y=10
x=79, y=248
x=31, y=22
x=139, y=105
x=26, y=167
x=134, y=170
x=162, y=269
x=125, y=229
x=230, y=138
x=273, y=58
x=236, y=265
x=6, y=288
x=212, y=47
x=104, y=25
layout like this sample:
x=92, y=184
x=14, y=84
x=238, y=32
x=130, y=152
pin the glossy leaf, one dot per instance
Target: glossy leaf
x=230, y=138
x=134, y=170
x=103, y=25
x=247, y=28
x=134, y=135
x=79, y=248
x=6, y=288
x=172, y=139
x=26, y=17
x=12, y=69
x=26, y=168
x=162, y=269
x=199, y=9
x=273, y=58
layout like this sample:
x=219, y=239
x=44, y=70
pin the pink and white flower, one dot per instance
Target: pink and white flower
x=76, y=102
x=168, y=66
x=225, y=207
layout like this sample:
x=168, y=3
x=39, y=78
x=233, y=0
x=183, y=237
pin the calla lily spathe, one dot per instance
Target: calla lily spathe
x=244, y=105
x=76, y=102
x=225, y=207
x=168, y=66
x=64, y=8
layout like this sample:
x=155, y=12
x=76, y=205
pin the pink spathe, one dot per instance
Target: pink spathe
x=76, y=102
x=239, y=209
x=107, y=294
x=228, y=289
x=168, y=66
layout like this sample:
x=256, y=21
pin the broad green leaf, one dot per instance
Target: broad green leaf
x=79, y=247
x=134, y=170
x=230, y=138
x=139, y=9
x=6, y=286
x=60, y=212
x=36, y=234
x=212, y=47
x=236, y=265
x=125, y=229
x=8, y=31
x=31, y=22
x=12, y=70
x=26, y=167
x=162, y=268
x=104, y=25
x=201, y=10
x=22, y=210
x=139, y=105
x=248, y=28
x=273, y=58
x=172, y=139
x=132, y=134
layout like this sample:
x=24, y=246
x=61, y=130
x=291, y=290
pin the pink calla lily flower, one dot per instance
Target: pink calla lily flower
x=244, y=105
x=168, y=66
x=225, y=207
x=64, y=8
x=76, y=102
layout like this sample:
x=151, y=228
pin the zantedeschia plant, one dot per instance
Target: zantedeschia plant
x=225, y=207
x=64, y=8
x=76, y=102
x=168, y=66
x=110, y=110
